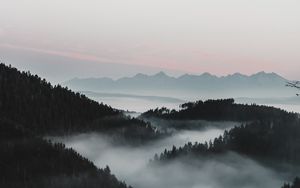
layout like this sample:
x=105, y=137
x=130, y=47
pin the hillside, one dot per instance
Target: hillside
x=219, y=110
x=54, y=110
x=269, y=135
x=27, y=161
x=31, y=108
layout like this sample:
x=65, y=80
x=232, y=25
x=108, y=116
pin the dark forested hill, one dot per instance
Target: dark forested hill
x=46, y=109
x=268, y=134
x=27, y=161
x=219, y=110
x=269, y=140
x=31, y=108
x=38, y=105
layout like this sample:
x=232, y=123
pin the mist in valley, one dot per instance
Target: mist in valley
x=170, y=125
x=136, y=104
x=131, y=163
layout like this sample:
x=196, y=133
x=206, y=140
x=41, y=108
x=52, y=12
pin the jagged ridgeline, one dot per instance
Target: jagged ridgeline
x=269, y=134
x=45, y=109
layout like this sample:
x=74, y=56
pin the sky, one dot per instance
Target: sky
x=61, y=39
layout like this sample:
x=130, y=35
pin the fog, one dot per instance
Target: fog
x=166, y=125
x=136, y=104
x=143, y=104
x=101, y=149
x=131, y=164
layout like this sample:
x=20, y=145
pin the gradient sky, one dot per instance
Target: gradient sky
x=194, y=36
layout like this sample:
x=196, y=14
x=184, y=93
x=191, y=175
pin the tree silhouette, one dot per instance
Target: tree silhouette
x=295, y=184
x=294, y=84
x=30, y=161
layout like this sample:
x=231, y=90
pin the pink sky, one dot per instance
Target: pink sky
x=184, y=36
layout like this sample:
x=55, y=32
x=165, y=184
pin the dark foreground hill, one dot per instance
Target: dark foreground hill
x=27, y=161
x=46, y=109
x=31, y=108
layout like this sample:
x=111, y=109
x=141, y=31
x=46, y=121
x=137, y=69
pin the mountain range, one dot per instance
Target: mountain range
x=189, y=86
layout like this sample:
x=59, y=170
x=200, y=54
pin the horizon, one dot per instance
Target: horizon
x=168, y=73
x=189, y=74
x=183, y=74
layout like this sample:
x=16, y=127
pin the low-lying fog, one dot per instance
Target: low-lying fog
x=145, y=103
x=137, y=104
x=131, y=164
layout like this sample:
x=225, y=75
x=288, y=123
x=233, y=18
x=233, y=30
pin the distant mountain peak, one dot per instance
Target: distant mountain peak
x=238, y=74
x=206, y=74
x=140, y=75
x=260, y=84
x=263, y=74
x=160, y=74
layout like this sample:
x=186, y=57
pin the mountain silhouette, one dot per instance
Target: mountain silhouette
x=187, y=86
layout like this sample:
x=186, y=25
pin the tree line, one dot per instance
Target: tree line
x=269, y=134
x=272, y=140
x=45, y=109
x=30, y=108
x=219, y=110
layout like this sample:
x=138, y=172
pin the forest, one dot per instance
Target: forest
x=273, y=138
x=31, y=108
x=54, y=110
x=28, y=161
x=219, y=110
x=277, y=140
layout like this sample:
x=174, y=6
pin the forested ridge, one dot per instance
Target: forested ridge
x=277, y=140
x=31, y=108
x=27, y=161
x=37, y=104
x=219, y=110
x=269, y=132
x=270, y=135
x=45, y=109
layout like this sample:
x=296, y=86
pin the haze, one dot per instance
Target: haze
x=131, y=164
x=74, y=38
